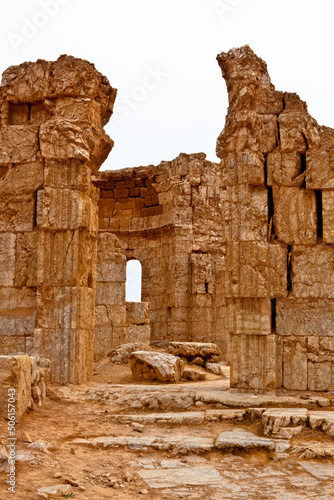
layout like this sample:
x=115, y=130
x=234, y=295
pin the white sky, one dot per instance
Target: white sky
x=182, y=108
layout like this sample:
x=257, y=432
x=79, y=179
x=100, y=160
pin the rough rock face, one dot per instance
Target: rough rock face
x=276, y=165
x=155, y=366
x=51, y=140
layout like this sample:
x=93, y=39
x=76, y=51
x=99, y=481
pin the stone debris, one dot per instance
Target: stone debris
x=274, y=419
x=214, y=368
x=59, y=489
x=194, y=351
x=323, y=420
x=40, y=445
x=193, y=374
x=121, y=355
x=244, y=440
x=155, y=366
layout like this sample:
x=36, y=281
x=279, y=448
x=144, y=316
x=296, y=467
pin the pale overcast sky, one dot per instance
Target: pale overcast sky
x=161, y=55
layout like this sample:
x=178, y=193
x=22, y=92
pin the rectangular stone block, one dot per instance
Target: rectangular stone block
x=256, y=269
x=248, y=317
x=138, y=313
x=67, y=174
x=68, y=209
x=111, y=269
x=246, y=167
x=17, y=311
x=246, y=213
x=18, y=143
x=26, y=259
x=295, y=363
x=328, y=216
x=320, y=162
x=15, y=376
x=17, y=212
x=295, y=215
x=70, y=351
x=291, y=126
x=66, y=258
x=63, y=140
x=66, y=307
x=253, y=362
x=284, y=169
x=110, y=293
x=138, y=333
x=103, y=342
x=7, y=258
x=22, y=178
x=81, y=110
x=11, y=344
x=313, y=272
x=320, y=363
x=305, y=317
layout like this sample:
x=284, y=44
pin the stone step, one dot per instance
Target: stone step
x=226, y=441
x=182, y=418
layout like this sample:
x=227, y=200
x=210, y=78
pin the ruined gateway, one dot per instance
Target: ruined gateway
x=240, y=253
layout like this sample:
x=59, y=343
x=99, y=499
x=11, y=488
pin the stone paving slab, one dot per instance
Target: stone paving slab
x=192, y=476
x=241, y=439
x=181, y=418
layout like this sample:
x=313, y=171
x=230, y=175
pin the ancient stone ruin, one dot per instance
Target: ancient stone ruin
x=239, y=253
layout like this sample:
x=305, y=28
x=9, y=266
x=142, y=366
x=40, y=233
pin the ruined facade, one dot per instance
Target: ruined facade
x=238, y=252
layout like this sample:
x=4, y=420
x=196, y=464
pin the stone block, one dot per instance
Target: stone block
x=111, y=269
x=155, y=366
x=17, y=212
x=71, y=352
x=138, y=313
x=328, y=216
x=256, y=269
x=254, y=362
x=68, y=209
x=66, y=258
x=10, y=344
x=320, y=363
x=18, y=144
x=320, y=162
x=138, y=333
x=110, y=293
x=67, y=174
x=80, y=110
x=26, y=259
x=22, y=178
x=295, y=216
x=17, y=311
x=313, y=272
x=246, y=213
x=7, y=258
x=15, y=373
x=246, y=167
x=103, y=342
x=305, y=317
x=291, y=126
x=295, y=363
x=248, y=317
x=284, y=169
x=65, y=307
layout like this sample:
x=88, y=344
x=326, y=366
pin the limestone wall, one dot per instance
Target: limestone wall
x=278, y=175
x=51, y=139
x=166, y=217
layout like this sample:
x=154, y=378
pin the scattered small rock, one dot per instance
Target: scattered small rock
x=213, y=368
x=136, y=426
x=71, y=481
x=143, y=492
x=57, y=475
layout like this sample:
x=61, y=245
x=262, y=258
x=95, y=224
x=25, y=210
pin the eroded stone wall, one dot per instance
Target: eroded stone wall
x=278, y=175
x=52, y=139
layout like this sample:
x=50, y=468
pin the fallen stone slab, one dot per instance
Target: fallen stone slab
x=319, y=470
x=187, y=476
x=194, y=349
x=214, y=368
x=134, y=442
x=121, y=355
x=58, y=489
x=241, y=439
x=184, y=444
x=323, y=420
x=274, y=419
x=194, y=375
x=178, y=418
x=155, y=366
